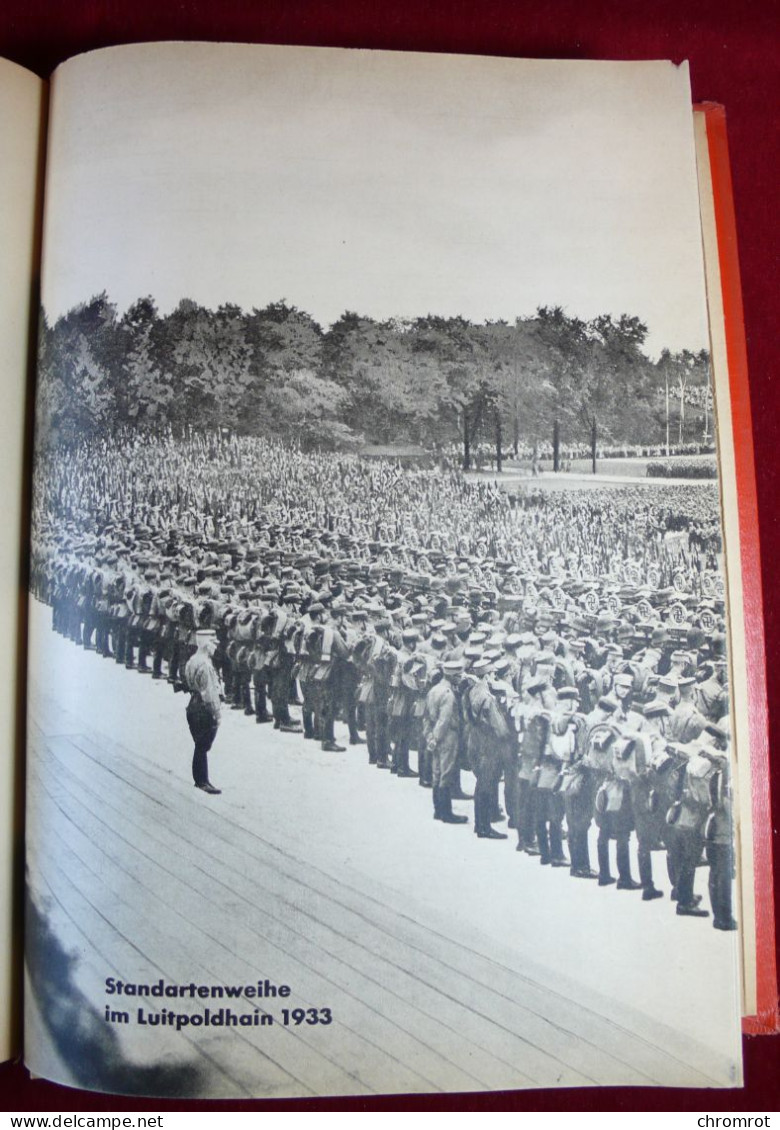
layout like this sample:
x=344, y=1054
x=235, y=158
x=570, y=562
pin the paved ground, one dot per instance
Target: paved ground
x=576, y=480
x=610, y=473
x=449, y=963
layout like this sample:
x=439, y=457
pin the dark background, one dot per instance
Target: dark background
x=734, y=52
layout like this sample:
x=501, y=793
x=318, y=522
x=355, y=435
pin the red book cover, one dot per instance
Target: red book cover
x=765, y=1018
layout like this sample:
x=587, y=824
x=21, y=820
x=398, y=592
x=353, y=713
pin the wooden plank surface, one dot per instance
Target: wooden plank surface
x=140, y=877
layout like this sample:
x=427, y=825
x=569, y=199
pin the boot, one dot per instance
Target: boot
x=484, y=830
x=625, y=881
x=478, y=818
x=403, y=766
x=445, y=808
x=436, y=802
x=492, y=834
x=692, y=910
x=544, y=843
x=557, y=856
x=725, y=924
x=605, y=879
x=456, y=791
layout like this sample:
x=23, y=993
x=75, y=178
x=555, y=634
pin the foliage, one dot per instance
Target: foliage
x=432, y=381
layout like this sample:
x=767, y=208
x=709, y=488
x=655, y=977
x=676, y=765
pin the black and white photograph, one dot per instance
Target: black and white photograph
x=380, y=731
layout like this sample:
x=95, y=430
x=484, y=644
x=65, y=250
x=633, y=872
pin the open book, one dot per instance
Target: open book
x=395, y=698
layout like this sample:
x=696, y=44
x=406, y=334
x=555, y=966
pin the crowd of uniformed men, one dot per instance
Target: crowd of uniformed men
x=580, y=676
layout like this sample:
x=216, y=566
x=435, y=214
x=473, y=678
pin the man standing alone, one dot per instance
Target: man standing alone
x=204, y=708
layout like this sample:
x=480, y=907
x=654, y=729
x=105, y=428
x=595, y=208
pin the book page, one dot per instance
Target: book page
x=22, y=103
x=379, y=702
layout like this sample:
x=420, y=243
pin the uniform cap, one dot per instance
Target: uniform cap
x=716, y=731
x=536, y=684
x=656, y=708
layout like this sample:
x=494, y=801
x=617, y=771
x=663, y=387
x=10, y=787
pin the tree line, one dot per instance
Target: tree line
x=430, y=381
